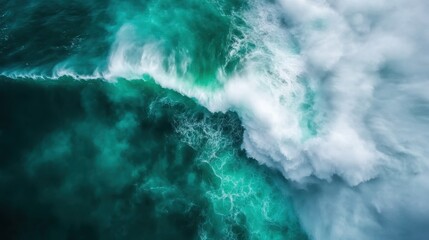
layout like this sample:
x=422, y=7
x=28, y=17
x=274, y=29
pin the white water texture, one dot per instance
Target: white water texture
x=334, y=94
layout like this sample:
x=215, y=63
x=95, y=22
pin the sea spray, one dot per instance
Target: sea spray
x=330, y=94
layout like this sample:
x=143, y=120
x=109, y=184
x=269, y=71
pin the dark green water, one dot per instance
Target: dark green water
x=108, y=158
x=129, y=160
x=214, y=119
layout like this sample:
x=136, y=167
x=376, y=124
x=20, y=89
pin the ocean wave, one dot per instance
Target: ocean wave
x=331, y=94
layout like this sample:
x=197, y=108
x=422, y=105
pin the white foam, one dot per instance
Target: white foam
x=368, y=158
x=364, y=175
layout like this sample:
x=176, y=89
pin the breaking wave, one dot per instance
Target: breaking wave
x=330, y=93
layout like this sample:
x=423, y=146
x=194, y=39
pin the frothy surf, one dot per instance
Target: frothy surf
x=329, y=93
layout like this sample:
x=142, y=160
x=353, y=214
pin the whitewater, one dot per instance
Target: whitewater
x=331, y=94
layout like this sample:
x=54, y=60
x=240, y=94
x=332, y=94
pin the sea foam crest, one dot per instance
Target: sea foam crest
x=364, y=70
x=268, y=93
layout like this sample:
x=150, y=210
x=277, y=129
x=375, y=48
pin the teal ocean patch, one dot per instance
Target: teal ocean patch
x=129, y=160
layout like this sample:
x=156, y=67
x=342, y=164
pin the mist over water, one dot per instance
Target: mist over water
x=215, y=119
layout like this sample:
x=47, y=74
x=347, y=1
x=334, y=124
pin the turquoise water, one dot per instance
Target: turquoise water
x=107, y=158
x=213, y=119
x=130, y=160
x=90, y=154
x=78, y=35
